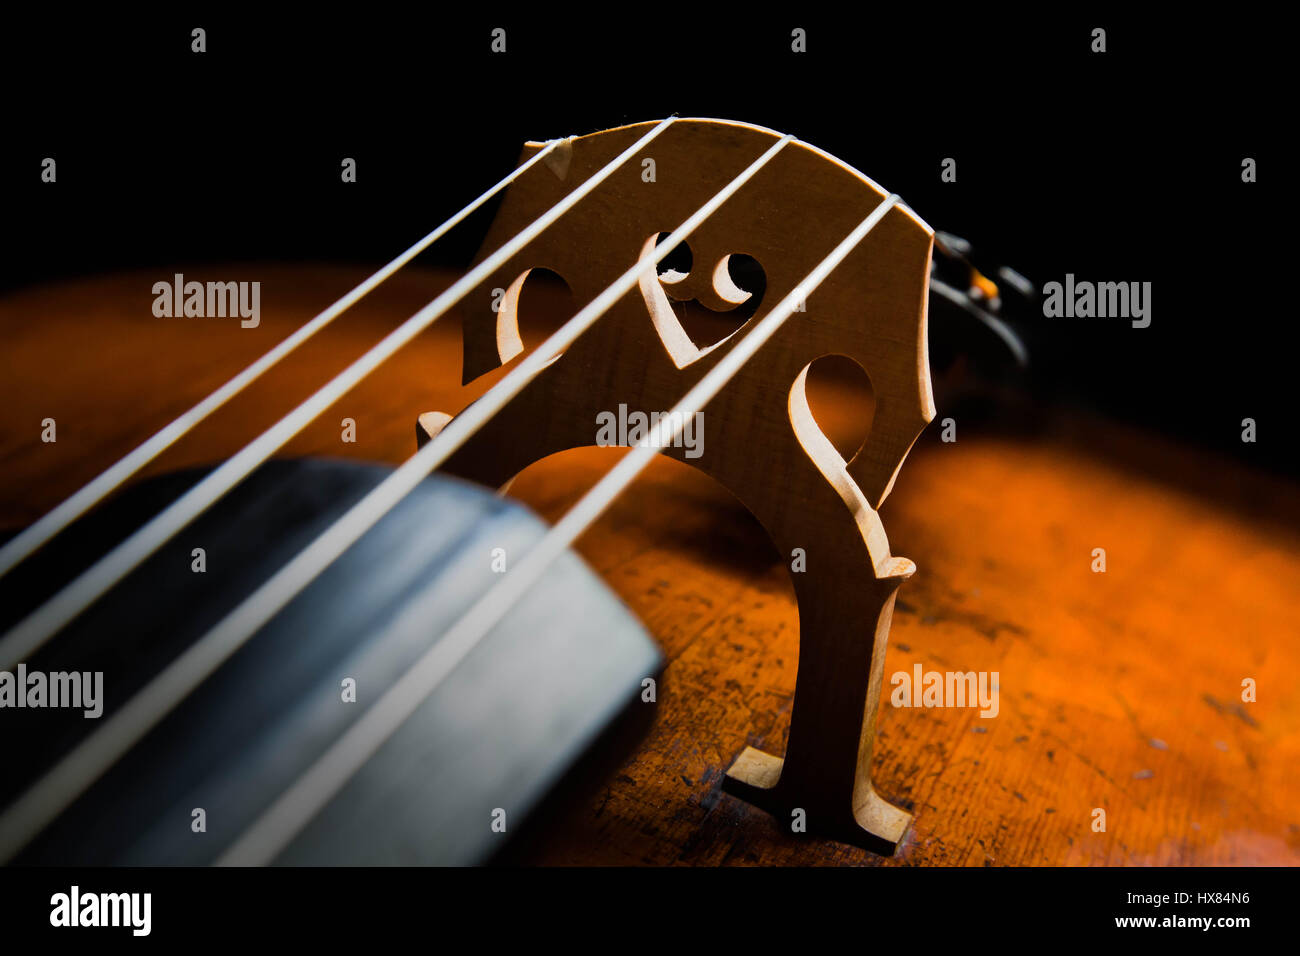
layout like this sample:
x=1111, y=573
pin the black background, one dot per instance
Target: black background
x=732, y=910
x=1122, y=166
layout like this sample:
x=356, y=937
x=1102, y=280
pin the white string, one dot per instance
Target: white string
x=77, y=771
x=285, y=818
x=17, y=549
x=75, y=597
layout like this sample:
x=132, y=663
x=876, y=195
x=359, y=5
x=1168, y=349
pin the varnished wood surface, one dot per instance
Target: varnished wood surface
x=1118, y=690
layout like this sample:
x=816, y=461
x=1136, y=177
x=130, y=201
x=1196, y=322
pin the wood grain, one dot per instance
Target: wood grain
x=1118, y=690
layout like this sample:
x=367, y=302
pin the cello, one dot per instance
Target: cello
x=289, y=770
x=547, y=208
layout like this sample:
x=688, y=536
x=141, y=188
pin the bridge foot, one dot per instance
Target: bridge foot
x=874, y=824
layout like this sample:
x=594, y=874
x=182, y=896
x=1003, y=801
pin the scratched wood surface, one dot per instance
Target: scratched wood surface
x=1119, y=691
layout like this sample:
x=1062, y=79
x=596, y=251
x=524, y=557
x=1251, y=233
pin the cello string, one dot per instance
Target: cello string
x=263, y=841
x=19, y=547
x=42, y=623
x=28, y=815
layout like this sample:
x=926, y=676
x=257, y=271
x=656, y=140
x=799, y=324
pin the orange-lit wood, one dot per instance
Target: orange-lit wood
x=1119, y=691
